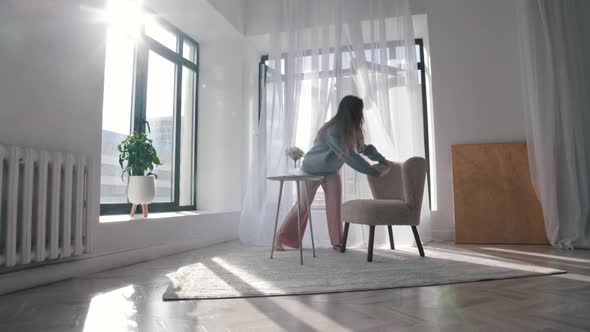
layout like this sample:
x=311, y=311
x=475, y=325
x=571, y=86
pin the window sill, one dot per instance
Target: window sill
x=154, y=216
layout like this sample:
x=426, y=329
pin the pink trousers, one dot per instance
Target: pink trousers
x=332, y=185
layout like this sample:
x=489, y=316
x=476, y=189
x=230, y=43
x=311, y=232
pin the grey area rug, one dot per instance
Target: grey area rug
x=233, y=270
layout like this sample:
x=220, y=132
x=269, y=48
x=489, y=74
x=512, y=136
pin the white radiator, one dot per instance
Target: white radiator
x=43, y=205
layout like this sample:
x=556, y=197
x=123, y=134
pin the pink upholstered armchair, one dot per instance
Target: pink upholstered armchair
x=397, y=201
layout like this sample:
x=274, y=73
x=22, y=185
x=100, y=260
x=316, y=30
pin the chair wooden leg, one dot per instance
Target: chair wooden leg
x=418, y=242
x=345, y=237
x=390, y=231
x=371, y=242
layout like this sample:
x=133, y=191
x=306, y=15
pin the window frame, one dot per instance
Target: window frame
x=421, y=66
x=138, y=111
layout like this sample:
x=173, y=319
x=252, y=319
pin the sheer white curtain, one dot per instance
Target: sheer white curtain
x=321, y=51
x=556, y=112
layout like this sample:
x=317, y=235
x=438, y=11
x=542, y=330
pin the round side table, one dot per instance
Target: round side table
x=297, y=179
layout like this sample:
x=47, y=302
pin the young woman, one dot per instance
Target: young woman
x=337, y=142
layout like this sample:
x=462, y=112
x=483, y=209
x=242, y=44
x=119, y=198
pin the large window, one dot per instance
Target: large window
x=303, y=135
x=151, y=74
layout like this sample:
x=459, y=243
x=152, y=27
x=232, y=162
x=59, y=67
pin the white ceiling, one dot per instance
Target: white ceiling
x=198, y=18
x=258, y=14
x=214, y=19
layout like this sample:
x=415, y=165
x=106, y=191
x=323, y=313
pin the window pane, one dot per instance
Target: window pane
x=116, y=116
x=187, y=138
x=189, y=52
x=161, y=34
x=160, y=115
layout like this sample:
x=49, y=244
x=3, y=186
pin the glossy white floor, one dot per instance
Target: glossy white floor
x=130, y=299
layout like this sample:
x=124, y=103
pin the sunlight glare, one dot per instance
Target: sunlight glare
x=124, y=19
x=518, y=252
x=215, y=282
x=468, y=258
x=295, y=309
x=112, y=311
x=125, y=16
x=246, y=277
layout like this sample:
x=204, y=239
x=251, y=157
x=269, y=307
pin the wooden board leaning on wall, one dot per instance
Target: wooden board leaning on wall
x=494, y=197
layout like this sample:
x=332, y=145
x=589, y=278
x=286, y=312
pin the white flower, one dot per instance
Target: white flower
x=295, y=153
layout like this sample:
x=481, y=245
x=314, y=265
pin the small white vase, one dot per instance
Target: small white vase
x=296, y=171
x=141, y=189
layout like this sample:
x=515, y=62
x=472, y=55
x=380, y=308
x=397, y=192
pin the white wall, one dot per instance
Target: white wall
x=51, y=90
x=166, y=230
x=476, y=84
x=474, y=72
x=221, y=125
x=51, y=82
x=51, y=79
x=51, y=76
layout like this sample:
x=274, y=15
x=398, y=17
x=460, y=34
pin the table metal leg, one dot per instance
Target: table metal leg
x=274, y=235
x=308, y=205
x=299, y=223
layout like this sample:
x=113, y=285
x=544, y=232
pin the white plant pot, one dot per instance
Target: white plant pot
x=141, y=189
x=297, y=170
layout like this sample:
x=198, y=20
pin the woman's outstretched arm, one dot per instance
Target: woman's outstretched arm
x=371, y=152
x=351, y=158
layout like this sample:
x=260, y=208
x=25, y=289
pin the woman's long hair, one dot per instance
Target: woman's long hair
x=350, y=118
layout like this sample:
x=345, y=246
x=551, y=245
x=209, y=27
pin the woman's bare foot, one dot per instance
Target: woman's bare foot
x=279, y=246
x=337, y=247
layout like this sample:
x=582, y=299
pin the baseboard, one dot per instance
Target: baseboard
x=441, y=235
x=43, y=275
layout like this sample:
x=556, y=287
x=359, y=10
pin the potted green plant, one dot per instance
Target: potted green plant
x=138, y=158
